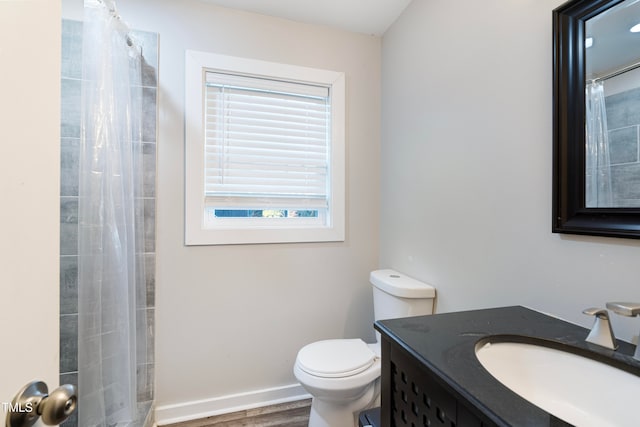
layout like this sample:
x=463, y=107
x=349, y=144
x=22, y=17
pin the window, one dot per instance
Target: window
x=264, y=152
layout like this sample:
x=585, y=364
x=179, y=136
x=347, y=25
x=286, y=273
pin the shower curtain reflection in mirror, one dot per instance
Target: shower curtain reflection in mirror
x=598, y=191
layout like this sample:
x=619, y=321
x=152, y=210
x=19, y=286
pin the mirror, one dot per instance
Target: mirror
x=596, y=118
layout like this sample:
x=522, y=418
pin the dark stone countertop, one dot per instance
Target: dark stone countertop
x=445, y=344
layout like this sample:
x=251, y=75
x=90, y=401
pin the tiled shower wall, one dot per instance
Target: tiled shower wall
x=623, y=122
x=70, y=146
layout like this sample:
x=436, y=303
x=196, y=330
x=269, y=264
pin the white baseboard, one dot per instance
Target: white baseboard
x=197, y=409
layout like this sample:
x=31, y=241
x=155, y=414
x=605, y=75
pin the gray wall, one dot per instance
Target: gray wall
x=467, y=166
x=69, y=180
x=231, y=319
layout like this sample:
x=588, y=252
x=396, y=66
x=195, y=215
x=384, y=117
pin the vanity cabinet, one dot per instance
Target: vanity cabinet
x=413, y=396
x=432, y=377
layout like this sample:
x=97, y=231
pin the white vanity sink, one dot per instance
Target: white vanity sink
x=578, y=390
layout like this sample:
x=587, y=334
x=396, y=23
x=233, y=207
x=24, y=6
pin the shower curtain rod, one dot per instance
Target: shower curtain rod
x=617, y=72
x=114, y=14
x=111, y=8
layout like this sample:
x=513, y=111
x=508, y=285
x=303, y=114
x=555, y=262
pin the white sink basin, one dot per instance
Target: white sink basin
x=576, y=389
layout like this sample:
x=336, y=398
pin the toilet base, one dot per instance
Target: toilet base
x=343, y=414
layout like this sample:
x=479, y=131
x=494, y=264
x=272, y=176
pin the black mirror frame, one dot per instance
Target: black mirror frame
x=569, y=212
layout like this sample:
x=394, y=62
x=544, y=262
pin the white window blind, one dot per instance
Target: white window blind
x=266, y=143
x=264, y=152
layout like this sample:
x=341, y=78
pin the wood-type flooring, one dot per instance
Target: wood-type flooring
x=292, y=414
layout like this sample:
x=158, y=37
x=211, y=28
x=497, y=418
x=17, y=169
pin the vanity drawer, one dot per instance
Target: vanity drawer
x=412, y=396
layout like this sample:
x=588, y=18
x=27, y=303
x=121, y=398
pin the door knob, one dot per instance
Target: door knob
x=34, y=401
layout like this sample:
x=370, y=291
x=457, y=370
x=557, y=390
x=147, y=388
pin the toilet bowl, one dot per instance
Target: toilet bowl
x=343, y=375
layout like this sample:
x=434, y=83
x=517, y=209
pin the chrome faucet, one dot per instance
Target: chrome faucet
x=601, y=333
x=629, y=309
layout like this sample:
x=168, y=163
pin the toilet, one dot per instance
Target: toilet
x=343, y=375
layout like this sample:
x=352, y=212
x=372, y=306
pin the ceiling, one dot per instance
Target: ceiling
x=360, y=16
x=614, y=46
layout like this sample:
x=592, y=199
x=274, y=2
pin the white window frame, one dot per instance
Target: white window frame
x=246, y=231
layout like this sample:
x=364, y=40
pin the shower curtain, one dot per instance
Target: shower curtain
x=110, y=217
x=598, y=191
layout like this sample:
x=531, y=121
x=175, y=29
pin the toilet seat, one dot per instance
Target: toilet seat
x=336, y=358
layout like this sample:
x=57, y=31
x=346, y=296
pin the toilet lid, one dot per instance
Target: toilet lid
x=336, y=358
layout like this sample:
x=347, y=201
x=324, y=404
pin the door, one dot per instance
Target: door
x=29, y=190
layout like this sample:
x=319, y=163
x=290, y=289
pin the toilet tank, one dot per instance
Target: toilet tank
x=396, y=295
